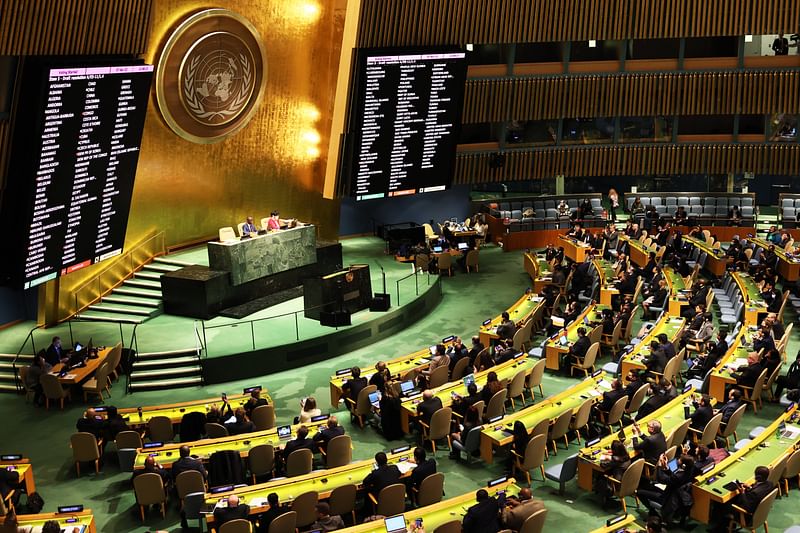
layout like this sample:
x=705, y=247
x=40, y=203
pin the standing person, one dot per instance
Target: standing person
x=38, y=367
x=780, y=45
x=613, y=200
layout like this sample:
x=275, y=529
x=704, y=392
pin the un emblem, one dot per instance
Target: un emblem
x=210, y=76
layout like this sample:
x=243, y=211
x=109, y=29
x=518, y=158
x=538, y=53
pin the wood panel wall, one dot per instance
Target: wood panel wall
x=428, y=22
x=66, y=27
x=652, y=94
x=629, y=160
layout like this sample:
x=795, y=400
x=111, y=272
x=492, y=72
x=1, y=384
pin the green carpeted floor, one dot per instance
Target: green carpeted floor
x=468, y=300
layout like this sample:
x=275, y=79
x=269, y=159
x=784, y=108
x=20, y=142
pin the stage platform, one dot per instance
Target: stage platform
x=270, y=340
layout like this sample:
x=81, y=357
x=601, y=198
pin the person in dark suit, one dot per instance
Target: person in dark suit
x=353, y=386
x=762, y=340
x=456, y=351
x=733, y=403
x=477, y=347
x=772, y=296
x=429, y=405
x=658, y=397
x=249, y=227
x=90, y=422
x=186, y=463
x=383, y=476
x=746, y=376
x=242, y=424
x=634, y=384
x=55, y=353
x=483, y=516
x=233, y=511
x=507, y=328
x=668, y=498
x=703, y=412
x=380, y=377
x=715, y=351
x=254, y=401
x=331, y=430
x=299, y=442
x=425, y=467
x=748, y=498
x=578, y=349
x=152, y=467
x=114, y=423
x=276, y=508
x=9, y=480
x=657, y=360
x=610, y=397
x=666, y=346
x=654, y=444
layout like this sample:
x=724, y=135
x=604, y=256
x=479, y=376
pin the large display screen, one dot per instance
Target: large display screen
x=86, y=152
x=407, y=121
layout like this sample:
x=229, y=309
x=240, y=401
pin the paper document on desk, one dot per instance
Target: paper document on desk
x=790, y=432
x=594, y=392
x=405, y=466
x=739, y=361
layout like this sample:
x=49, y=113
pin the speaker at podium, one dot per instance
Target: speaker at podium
x=349, y=290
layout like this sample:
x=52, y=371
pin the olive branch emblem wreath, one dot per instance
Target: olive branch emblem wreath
x=196, y=106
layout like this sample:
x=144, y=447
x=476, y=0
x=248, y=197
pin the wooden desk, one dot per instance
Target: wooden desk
x=605, y=271
x=768, y=449
x=418, y=360
x=439, y=513
x=25, y=470
x=717, y=261
x=721, y=375
x=81, y=374
x=637, y=251
x=519, y=313
x=573, y=249
x=671, y=325
x=755, y=306
x=506, y=371
x=628, y=523
x=554, y=350
x=321, y=481
x=169, y=453
x=497, y=435
x=675, y=284
x=788, y=267
x=538, y=270
x=176, y=411
x=670, y=416
x=69, y=522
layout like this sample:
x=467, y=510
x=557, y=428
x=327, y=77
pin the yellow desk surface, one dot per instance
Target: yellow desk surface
x=671, y=325
x=768, y=449
x=637, y=251
x=626, y=524
x=538, y=270
x=439, y=513
x=408, y=408
x=675, y=284
x=169, y=453
x=736, y=356
x=69, y=522
x=670, y=415
x=717, y=261
x=418, y=360
x=500, y=434
x=25, y=470
x=77, y=375
x=320, y=481
x=573, y=249
x=519, y=312
x=607, y=288
x=175, y=411
x=554, y=350
x=788, y=267
x=754, y=303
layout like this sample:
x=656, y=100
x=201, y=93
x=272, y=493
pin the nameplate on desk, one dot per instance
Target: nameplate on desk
x=448, y=339
x=342, y=372
x=592, y=442
x=687, y=388
x=708, y=468
x=148, y=445
x=320, y=418
x=70, y=509
x=597, y=373
x=223, y=488
x=487, y=322
x=10, y=457
x=414, y=395
x=496, y=419
x=616, y=520
x=401, y=449
x=99, y=409
x=495, y=482
x=248, y=390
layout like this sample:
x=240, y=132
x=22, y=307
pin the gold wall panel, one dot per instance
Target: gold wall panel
x=426, y=22
x=626, y=160
x=629, y=95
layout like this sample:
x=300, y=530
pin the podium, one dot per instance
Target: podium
x=347, y=290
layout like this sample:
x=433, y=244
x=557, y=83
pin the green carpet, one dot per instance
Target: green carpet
x=468, y=300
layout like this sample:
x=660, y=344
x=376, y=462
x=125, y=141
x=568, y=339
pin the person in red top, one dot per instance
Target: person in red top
x=274, y=222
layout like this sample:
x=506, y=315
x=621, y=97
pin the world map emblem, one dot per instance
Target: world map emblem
x=210, y=76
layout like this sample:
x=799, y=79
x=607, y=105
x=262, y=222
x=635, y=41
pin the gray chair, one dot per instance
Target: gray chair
x=563, y=473
x=471, y=443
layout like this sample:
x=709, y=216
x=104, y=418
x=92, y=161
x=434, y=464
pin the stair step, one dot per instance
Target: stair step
x=132, y=300
x=138, y=292
x=169, y=261
x=166, y=383
x=167, y=354
x=7, y=387
x=23, y=357
x=7, y=376
x=160, y=267
x=96, y=317
x=122, y=309
x=138, y=375
x=155, y=363
x=143, y=284
x=152, y=276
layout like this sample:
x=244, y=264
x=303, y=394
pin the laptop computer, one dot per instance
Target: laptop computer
x=463, y=246
x=406, y=387
x=469, y=379
x=395, y=524
x=375, y=398
x=587, y=321
x=673, y=465
x=437, y=249
x=284, y=432
x=563, y=340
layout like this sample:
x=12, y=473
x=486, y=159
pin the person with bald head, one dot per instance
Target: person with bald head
x=151, y=466
x=429, y=405
x=232, y=511
x=90, y=422
x=249, y=227
x=187, y=462
x=519, y=508
x=325, y=434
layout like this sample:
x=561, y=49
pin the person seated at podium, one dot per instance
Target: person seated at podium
x=274, y=222
x=249, y=227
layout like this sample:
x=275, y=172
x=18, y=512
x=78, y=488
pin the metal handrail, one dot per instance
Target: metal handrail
x=20, y=386
x=99, y=292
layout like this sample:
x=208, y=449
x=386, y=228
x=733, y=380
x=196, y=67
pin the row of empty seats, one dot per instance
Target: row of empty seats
x=672, y=202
